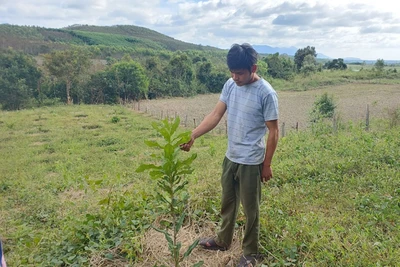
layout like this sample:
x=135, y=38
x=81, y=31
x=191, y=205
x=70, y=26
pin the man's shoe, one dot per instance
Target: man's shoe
x=247, y=261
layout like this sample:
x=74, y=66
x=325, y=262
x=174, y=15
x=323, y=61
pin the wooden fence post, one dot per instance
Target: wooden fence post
x=334, y=124
x=367, y=119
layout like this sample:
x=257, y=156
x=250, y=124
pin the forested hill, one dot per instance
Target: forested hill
x=38, y=40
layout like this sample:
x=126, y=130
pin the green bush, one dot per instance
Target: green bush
x=324, y=107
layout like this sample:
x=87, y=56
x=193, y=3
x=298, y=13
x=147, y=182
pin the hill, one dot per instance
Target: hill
x=266, y=49
x=37, y=40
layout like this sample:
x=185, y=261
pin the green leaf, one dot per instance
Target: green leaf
x=179, y=223
x=166, y=187
x=189, y=160
x=166, y=234
x=178, y=247
x=151, y=143
x=164, y=199
x=156, y=173
x=180, y=187
x=200, y=263
x=104, y=201
x=109, y=256
x=175, y=125
x=185, y=171
x=145, y=167
x=190, y=249
x=177, y=179
x=182, y=138
x=169, y=150
x=164, y=132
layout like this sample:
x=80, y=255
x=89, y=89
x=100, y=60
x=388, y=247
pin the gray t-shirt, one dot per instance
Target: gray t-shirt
x=248, y=108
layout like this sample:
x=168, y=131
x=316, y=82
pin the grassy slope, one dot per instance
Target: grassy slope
x=165, y=41
x=334, y=200
x=33, y=39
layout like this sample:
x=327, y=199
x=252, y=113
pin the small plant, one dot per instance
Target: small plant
x=10, y=125
x=115, y=119
x=171, y=185
x=324, y=107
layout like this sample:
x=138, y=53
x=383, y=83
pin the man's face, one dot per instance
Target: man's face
x=242, y=76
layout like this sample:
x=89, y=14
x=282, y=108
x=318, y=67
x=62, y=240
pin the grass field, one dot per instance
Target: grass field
x=351, y=99
x=70, y=195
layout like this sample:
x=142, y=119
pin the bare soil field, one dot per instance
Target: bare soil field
x=294, y=107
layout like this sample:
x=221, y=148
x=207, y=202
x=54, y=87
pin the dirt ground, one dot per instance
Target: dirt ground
x=352, y=101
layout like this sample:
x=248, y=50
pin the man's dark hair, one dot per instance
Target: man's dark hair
x=241, y=57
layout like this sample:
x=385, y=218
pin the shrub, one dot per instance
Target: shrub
x=324, y=107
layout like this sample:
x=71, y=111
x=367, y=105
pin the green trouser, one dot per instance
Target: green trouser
x=240, y=183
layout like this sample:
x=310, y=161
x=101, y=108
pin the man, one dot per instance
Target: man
x=252, y=107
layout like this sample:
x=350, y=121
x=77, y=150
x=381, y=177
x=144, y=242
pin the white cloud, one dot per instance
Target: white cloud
x=360, y=28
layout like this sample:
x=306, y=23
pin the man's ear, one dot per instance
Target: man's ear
x=253, y=68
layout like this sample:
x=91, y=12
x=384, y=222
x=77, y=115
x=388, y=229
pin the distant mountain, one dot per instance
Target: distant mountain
x=322, y=56
x=352, y=59
x=266, y=49
x=290, y=51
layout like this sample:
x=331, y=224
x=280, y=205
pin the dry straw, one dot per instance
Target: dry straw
x=156, y=253
x=156, y=249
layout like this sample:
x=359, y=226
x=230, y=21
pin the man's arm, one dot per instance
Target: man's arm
x=209, y=123
x=272, y=142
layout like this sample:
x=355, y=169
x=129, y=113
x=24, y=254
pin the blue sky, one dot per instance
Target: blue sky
x=364, y=29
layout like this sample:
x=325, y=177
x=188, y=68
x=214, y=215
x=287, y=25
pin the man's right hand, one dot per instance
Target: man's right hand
x=186, y=147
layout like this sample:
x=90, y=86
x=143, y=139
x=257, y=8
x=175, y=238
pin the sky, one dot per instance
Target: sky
x=365, y=29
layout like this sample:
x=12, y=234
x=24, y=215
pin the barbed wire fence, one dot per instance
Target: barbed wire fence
x=192, y=121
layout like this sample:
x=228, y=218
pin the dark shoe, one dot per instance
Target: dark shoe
x=247, y=261
x=210, y=244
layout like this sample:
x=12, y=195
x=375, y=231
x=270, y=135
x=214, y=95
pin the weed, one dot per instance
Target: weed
x=115, y=119
x=10, y=125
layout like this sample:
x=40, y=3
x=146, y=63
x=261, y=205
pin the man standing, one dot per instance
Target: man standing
x=252, y=107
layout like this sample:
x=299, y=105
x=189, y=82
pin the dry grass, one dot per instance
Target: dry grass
x=352, y=101
x=156, y=253
x=156, y=249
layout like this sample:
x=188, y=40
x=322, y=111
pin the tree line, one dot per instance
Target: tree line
x=77, y=75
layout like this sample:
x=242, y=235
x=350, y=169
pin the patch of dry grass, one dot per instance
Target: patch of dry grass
x=156, y=253
x=155, y=248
